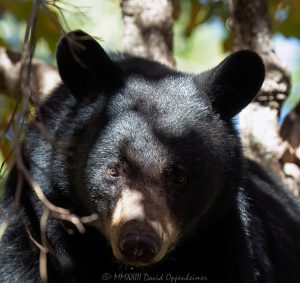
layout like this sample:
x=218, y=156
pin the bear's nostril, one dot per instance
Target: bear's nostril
x=139, y=247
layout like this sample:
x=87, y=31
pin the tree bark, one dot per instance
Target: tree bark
x=259, y=122
x=148, y=29
x=251, y=29
x=290, y=133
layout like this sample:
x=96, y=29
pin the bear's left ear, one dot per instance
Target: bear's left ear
x=234, y=83
x=83, y=64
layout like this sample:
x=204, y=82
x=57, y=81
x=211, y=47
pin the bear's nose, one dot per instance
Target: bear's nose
x=139, y=247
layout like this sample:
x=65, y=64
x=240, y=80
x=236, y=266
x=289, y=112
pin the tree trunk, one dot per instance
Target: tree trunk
x=148, y=29
x=259, y=122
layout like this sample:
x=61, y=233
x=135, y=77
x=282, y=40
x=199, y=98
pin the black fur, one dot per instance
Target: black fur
x=238, y=223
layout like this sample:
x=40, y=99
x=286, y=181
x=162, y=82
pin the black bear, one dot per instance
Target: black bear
x=154, y=154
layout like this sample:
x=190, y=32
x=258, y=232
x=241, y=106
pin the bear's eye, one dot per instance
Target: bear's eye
x=180, y=180
x=113, y=171
x=176, y=176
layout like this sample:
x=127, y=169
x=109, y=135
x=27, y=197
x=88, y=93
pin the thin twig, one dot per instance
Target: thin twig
x=15, y=110
x=18, y=191
x=56, y=211
x=54, y=21
x=4, y=226
x=43, y=252
x=23, y=173
x=33, y=240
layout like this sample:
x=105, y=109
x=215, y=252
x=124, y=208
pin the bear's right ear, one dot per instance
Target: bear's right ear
x=83, y=64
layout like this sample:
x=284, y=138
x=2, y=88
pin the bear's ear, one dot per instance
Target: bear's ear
x=83, y=64
x=234, y=83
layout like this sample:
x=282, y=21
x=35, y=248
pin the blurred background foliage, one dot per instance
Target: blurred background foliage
x=201, y=37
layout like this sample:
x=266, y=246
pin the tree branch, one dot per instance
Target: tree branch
x=43, y=77
x=259, y=122
x=251, y=28
x=148, y=29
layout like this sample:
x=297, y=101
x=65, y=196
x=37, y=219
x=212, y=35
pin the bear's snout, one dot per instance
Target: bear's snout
x=141, y=229
x=138, y=246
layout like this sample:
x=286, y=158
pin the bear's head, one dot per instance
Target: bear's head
x=159, y=155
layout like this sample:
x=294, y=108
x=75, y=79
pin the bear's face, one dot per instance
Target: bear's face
x=152, y=164
x=149, y=173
